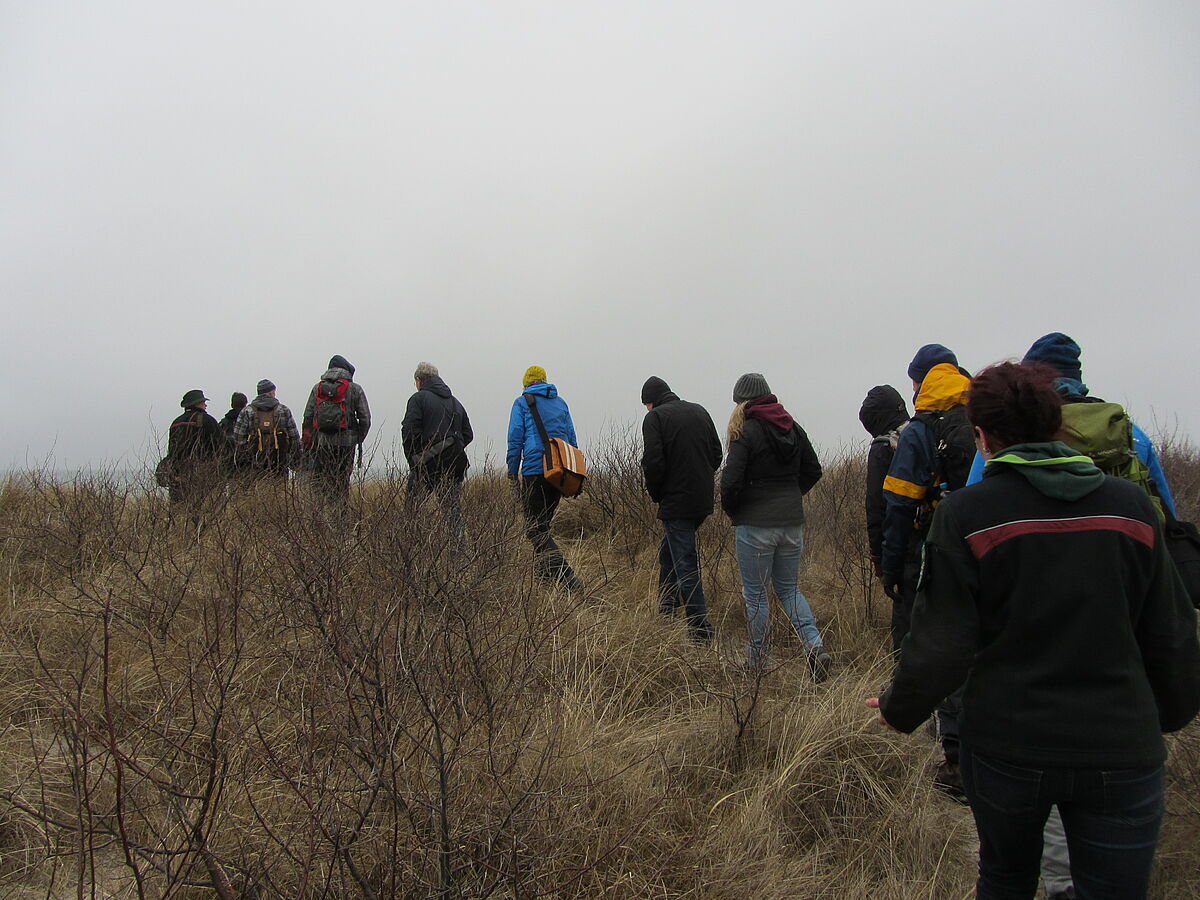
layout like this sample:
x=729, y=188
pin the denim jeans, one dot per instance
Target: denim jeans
x=679, y=576
x=1111, y=818
x=772, y=555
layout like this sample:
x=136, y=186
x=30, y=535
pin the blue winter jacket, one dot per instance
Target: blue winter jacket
x=524, y=442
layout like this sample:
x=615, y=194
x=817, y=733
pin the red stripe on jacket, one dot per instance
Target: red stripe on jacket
x=984, y=541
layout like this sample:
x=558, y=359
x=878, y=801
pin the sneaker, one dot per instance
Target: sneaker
x=819, y=663
x=948, y=780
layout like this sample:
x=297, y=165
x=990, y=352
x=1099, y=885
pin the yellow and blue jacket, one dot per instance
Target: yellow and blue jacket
x=914, y=466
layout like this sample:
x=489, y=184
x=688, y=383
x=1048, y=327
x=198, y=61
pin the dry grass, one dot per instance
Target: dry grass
x=270, y=704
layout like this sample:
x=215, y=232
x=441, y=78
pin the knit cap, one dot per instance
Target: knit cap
x=749, y=386
x=1057, y=350
x=533, y=375
x=927, y=357
x=265, y=386
x=653, y=389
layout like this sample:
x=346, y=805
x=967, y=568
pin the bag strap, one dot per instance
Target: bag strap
x=537, y=420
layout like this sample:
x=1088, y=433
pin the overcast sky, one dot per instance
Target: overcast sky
x=205, y=194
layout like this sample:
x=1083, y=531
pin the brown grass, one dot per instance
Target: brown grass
x=272, y=704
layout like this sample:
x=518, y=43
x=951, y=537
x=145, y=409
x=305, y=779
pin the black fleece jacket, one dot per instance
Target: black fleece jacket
x=680, y=457
x=433, y=413
x=767, y=473
x=1065, y=617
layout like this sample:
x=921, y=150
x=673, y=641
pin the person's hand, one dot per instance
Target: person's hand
x=873, y=703
x=891, y=584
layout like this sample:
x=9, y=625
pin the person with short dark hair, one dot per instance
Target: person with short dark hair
x=195, y=448
x=681, y=453
x=770, y=465
x=237, y=403
x=435, y=434
x=336, y=421
x=1047, y=589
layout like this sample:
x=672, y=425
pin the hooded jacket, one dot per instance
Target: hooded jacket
x=914, y=466
x=768, y=470
x=358, y=413
x=285, y=421
x=1048, y=588
x=681, y=453
x=524, y=443
x=433, y=415
x=883, y=413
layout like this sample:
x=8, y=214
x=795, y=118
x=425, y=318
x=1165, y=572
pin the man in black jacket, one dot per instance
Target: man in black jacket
x=681, y=455
x=435, y=433
x=195, y=447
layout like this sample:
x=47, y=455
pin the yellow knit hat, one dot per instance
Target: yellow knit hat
x=533, y=375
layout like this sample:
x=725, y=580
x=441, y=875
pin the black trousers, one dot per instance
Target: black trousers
x=539, y=500
x=332, y=470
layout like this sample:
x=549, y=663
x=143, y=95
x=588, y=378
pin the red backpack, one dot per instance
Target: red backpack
x=329, y=411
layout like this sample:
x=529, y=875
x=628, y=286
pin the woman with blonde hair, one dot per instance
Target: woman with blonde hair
x=769, y=467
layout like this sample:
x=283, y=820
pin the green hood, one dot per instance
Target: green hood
x=1053, y=468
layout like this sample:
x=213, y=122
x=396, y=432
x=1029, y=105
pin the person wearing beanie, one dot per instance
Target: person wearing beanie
x=336, y=421
x=770, y=465
x=933, y=456
x=266, y=438
x=195, y=450
x=681, y=453
x=539, y=498
x=435, y=434
x=884, y=415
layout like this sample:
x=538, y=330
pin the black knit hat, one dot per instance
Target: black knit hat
x=653, y=389
x=749, y=386
x=265, y=386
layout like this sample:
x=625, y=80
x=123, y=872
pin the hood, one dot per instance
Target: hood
x=768, y=409
x=883, y=410
x=655, y=391
x=944, y=387
x=1053, y=468
x=266, y=404
x=337, y=361
x=542, y=389
x=435, y=386
x=334, y=373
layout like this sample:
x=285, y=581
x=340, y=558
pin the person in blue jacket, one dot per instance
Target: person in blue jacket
x=1062, y=353
x=539, y=498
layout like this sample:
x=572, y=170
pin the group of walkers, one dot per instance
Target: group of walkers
x=1015, y=522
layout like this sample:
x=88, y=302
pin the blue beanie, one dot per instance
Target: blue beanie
x=927, y=357
x=1057, y=350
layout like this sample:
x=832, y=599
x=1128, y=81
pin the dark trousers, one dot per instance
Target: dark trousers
x=679, y=581
x=1111, y=819
x=333, y=466
x=445, y=488
x=539, y=500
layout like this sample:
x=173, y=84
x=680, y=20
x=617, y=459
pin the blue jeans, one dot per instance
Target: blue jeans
x=679, y=576
x=1111, y=818
x=772, y=555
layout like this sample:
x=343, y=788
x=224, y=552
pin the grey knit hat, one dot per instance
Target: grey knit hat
x=749, y=386
x=265, y=386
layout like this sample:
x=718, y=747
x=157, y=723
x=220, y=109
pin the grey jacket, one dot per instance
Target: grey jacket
x=286, y=422
x=358, y=414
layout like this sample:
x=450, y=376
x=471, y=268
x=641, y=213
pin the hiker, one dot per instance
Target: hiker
x=336, y=422
x=1061, y=353
x=884, y=414
x=266, y=439
x=539, y=498
x=933, y=456
x=195, y=450
x=769, y=466
x=435, y=434
x=1049, y=591
x=236, y=404
x=681, y=453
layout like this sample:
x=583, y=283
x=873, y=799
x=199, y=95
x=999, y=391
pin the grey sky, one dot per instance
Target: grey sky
x=204, y=194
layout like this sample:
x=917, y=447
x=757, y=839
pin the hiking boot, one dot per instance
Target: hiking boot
x=948, y=780
x=1065, y=894
x=819, y=663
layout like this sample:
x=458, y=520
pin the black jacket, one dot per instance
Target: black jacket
x=195, y=436
x=1064, y=615
x=882, y=413
x=767, y=473
x=680, y=457
x=434, y=414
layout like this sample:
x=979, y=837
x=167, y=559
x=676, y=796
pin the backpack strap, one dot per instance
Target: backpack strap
x=537, y=420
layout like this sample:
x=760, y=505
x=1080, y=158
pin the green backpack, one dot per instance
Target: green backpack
x=1104, y=432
